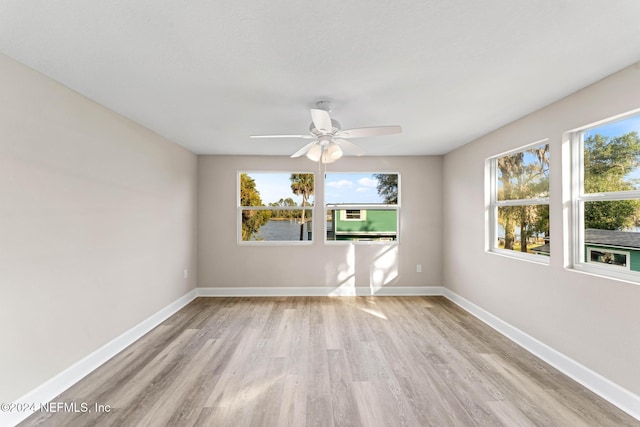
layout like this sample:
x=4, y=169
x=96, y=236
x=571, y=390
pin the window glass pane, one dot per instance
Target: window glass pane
x=621, y=215
x=524, y=175
x=363, y=188
x=369, y=225
x=612, y=233
x=266, y=225
x=524, y=229
x=612, y=157
x=276, y=189
x=362, y=206
x=277, y=193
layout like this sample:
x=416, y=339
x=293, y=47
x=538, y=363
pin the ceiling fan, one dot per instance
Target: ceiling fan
x=330, y=141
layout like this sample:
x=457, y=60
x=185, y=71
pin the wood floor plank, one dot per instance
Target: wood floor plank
x=318, y=392
x=267, y=402
x=284, y=335
x=509, y=415
x=329, y=361
x=342, y=403
x=293, y=407
x=332, y=326
x=370, y=411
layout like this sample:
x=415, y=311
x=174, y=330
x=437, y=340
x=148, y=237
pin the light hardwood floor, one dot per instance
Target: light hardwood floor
x=329, y=361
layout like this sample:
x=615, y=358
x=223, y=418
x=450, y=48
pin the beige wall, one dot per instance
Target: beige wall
x=97, y=224
x=223, y=263
x=593, y=320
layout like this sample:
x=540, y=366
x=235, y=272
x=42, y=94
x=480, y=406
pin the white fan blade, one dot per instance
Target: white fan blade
x=303, y=150
x=371, y=131
x=283, y=136
x=349, y=147
x=321, y=120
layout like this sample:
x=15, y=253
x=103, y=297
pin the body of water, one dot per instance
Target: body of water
x=281, y=230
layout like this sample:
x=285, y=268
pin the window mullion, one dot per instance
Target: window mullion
x=523, y=202
x=613, y=195
x=493, y=197
x=362, y=206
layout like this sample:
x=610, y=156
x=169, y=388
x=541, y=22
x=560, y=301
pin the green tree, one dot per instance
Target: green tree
x=284, y=213
x=252, y=220
x=509, y=167
x=607, y=160
x=302, y=185
x=387, y=187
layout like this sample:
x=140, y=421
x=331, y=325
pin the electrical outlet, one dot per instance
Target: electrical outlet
x=419, y=268
x=186, y=273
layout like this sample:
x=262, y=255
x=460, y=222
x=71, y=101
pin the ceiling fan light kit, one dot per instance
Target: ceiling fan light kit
x=314, y=153
x=330, y=143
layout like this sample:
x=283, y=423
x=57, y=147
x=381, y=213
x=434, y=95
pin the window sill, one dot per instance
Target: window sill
x=361, y=242
x=276, y=243
x=535, y=259
x=606, y=273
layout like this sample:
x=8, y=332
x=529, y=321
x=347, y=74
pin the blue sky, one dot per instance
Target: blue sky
x=617, y=128
x=339, y=188
x=351, y=188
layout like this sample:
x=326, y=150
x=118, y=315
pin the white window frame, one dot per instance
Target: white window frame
x=363, y=208
x=240, y=208
x=578, y=259
x=600, y=248
x=491, y=178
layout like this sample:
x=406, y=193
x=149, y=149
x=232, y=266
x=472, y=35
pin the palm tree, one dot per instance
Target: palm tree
x=302, y=185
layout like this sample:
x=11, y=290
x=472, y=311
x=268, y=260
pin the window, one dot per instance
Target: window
x=608, y=257
x=606, y=198
x=275, y=207
x=362, y=207
x=353, y=215
x=519, y=202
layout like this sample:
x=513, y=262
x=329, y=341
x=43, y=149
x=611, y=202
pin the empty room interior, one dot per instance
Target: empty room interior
x=320, y=213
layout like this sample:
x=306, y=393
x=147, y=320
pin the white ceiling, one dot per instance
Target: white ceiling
x=207, y=74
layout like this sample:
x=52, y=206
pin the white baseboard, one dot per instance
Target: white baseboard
x=618, y=396
x=319, y=291
x=65, y=379
x=605, y=388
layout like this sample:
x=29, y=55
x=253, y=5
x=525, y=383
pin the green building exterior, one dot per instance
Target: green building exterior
x=619, y=248
x=363, y=224
x=611, y=247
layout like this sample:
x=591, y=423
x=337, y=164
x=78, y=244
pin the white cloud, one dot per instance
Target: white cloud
x=363, y=190
x=343, y=183
x=368, y=182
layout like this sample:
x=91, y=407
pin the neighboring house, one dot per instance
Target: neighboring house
x=620, y=248
x=542, y=250
x=362, y=224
